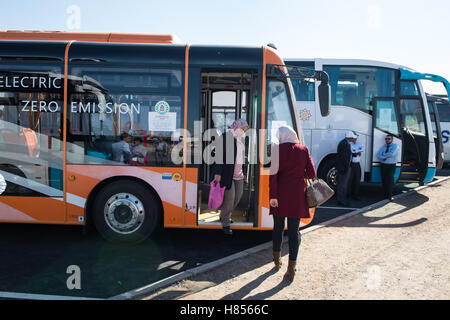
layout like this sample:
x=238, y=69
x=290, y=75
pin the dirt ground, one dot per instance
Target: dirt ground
x=398, y=251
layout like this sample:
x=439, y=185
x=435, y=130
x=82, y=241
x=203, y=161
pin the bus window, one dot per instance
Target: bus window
x=31, y=145
x=304, y=89
x=279, y=110
x=408, y=88
x=386, y=118
x=223, y=109
x=432, y=108
x=356, y=86
x=444, y=112
x=411, y=113
x=106, y=102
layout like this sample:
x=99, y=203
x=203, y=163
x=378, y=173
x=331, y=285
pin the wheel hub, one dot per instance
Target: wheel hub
x=124, y=213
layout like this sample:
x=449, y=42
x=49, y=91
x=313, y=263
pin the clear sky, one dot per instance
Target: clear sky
x=414, y=33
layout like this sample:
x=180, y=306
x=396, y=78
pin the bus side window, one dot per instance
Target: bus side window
x=124, y=115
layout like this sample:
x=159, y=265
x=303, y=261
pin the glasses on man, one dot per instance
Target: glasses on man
x=388, y=139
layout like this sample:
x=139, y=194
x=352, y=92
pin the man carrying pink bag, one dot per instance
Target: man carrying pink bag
x=229, y=174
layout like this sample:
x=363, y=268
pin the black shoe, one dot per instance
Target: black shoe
x=391, y=198
x=227, y=231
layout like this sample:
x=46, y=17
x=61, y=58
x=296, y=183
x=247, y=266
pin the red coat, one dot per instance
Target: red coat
x=288, y=184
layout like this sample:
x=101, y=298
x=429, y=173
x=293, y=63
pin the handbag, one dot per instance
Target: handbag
x=317, y=192
x=215, y=195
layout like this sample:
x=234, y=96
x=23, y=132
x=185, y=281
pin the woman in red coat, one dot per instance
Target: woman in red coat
x=288, y=193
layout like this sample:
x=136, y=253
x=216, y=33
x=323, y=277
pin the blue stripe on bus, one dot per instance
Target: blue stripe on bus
x=431, y=172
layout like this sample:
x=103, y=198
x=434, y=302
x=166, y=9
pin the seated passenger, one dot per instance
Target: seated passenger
x=121, y=150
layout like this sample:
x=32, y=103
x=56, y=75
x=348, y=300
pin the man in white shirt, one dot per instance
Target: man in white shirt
x=355, y=177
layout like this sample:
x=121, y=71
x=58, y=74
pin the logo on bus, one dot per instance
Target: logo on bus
x=176, y=176
x=162, y=107
x=305, y=114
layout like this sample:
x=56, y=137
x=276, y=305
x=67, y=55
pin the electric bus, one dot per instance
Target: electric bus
x=69, y=101
x=373, y=99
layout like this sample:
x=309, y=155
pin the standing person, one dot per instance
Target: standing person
x=121, y=150
x=161, y=150
x=343, y=167
x=355, y=175
x=229, y=172
x=388, y=155
x=287, y=193
x=139, y=151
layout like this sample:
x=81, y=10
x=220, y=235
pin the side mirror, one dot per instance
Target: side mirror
x=324, y=98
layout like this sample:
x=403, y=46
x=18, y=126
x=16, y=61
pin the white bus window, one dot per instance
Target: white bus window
x=444, y=112
x=411, y=113
x=386, y=118
x=355, y=86
x=409, y=88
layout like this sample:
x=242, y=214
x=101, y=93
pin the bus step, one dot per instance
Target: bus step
x=407, y=181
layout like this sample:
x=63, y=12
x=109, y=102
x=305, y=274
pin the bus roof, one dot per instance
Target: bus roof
x=89, y=36
x=213, y=57
x=359, y=62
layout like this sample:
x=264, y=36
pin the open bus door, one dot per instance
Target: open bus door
x=437, y=132
x=225, y=97
x=385, y=121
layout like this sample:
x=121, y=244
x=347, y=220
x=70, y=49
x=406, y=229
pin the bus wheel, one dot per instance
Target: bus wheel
x=125, y=211
x=328, y=172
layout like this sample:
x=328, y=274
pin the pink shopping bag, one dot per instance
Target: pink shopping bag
x=215, y=195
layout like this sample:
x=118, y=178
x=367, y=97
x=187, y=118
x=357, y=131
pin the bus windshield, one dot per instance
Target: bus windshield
x=279, y=110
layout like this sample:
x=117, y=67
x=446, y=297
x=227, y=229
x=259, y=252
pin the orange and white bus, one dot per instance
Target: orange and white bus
x=67, y=98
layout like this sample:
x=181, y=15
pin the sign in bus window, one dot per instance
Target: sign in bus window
x=386, y=118
x=112, y=122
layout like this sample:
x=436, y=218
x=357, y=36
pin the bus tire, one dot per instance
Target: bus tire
x=126, y=211
x=328, y=173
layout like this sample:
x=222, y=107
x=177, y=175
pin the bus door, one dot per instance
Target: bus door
x=437, y=133
x=226, y=97
x=415, y=135
x=385, y=121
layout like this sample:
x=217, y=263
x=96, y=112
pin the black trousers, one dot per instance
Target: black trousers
x=387, y=178
x=355, y=180
x=293, y=234
x=343, y=185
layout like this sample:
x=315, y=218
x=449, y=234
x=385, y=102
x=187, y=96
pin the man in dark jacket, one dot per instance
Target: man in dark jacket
x=343, y=167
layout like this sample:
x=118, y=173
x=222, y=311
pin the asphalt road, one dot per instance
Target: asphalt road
x=34, y=258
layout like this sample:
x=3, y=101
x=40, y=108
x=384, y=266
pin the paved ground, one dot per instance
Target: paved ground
x=398, y=251
x=34, y=258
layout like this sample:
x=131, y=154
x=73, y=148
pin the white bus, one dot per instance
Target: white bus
x=441, y=106
x=371, y=98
